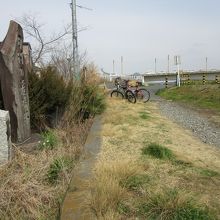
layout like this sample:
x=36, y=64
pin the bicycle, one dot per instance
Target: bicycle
x=122, y=92
x=141, y=94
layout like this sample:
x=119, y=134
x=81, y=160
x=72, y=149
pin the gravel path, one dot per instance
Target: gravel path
x=207, y=131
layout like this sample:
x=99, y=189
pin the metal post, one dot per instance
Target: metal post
x=166, y=81
x=177, y=62
x=203, y=79
x=168, y=71
x=216, y=79
x=178, y=75
x=188, y=80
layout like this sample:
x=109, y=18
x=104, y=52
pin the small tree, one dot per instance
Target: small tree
x=42, y=45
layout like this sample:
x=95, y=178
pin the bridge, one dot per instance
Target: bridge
x=184, y=76
x=169, y=78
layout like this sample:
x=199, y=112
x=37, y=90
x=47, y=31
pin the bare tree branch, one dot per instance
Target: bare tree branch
x=34, y=30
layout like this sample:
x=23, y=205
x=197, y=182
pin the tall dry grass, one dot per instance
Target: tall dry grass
x=24, y=189
x=107, y=190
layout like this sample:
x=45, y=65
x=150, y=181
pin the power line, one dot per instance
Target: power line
x=83, y=7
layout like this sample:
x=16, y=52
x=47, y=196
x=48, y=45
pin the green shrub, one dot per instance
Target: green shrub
x=171, y=205
x=123, y=209
x=134, y=182
x=144, y=115
x=47, y=92
x=56, y=168
x=93, y=100
x=49, y=141
x=209, y=173
x=158, y=151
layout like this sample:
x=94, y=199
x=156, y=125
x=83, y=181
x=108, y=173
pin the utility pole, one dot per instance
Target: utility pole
x=113, y=70
x=177, y=62
x=168, y=64
x=155, y=65
x=122, y=66
x=76, y=64
x=76, y=70
x=206, y=64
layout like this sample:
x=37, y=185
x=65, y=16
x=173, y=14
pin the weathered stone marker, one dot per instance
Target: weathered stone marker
x=5, y=137
x=14, y=82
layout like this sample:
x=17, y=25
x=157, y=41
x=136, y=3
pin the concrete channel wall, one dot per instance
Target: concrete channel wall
x=5, y=137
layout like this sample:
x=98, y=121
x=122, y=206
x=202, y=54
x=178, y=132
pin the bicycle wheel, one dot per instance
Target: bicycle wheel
x=143, y=95
x=117, y=94
x=130, y=96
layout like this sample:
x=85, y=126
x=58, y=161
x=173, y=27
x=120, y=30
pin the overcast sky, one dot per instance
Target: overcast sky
x=140, y=30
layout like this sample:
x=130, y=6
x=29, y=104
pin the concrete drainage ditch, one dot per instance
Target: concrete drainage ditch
x=75, y=203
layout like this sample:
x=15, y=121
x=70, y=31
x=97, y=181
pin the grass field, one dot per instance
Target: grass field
x=203, y=96
x=150, y=168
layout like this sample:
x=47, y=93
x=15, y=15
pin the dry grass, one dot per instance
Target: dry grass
x=25, y=192
x=125, y=133
x=108, y=192
x=24, y=189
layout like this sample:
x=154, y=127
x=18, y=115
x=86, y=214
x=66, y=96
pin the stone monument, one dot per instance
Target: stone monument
x=14, y=68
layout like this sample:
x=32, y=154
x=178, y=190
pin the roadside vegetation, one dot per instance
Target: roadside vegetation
x=203, y=96
x=33, y=184
x=150, y=168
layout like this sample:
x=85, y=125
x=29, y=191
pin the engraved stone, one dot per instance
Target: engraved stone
x=14, y=82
